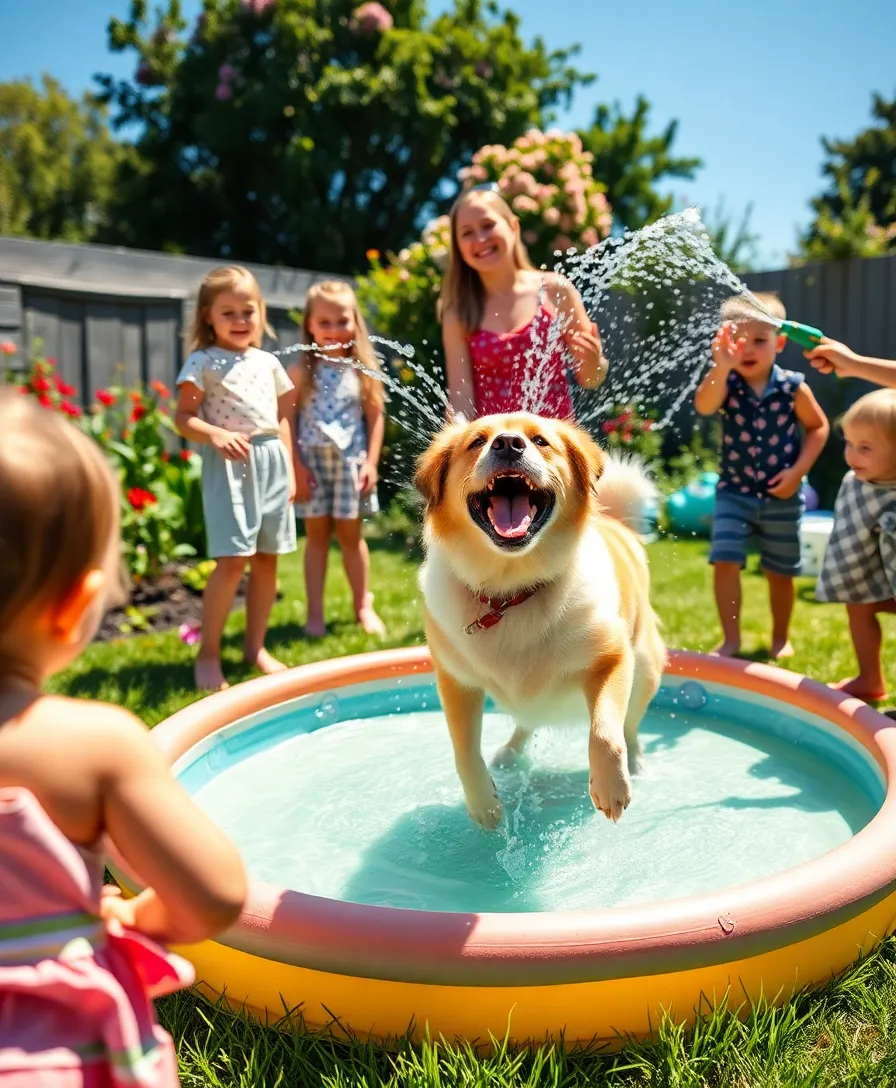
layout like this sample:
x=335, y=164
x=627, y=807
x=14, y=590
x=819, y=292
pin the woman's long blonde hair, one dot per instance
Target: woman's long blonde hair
x=200, y=334
x=462, y=290
x=362, y=349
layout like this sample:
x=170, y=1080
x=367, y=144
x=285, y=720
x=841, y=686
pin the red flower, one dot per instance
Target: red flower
x=70, y=409
x=163, y=391
x=140, y=498
x=105, y=397
x=7, y=347
x=166, y=457
x=40, y=384
x=125, y=435
x=646, y=424
x=136, y=396
x=64, y=388
x=51, y=361
x=138, y=413
x=186, y=455
x=627, y=434
x=44, y=399
x=609, y=426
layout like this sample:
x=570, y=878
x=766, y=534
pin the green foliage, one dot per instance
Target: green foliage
x=161, y=504
x=628, y=163
x=295, y=132
x=632, y=432
x=856, y=217
x=161, y=493
x=732, y=241
x=57, y=162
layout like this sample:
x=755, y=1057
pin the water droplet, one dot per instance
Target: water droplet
x=693, y=695
x=328, y=710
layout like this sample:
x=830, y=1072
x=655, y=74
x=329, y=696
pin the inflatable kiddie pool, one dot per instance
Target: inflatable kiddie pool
x=758, y=854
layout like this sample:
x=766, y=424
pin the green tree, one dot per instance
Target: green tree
x=628, y=162
x=732, y=241
x=856, y=217
x=57, y=162
x=309, y=132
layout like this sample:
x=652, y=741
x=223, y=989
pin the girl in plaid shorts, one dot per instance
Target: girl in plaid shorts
x=339, y=438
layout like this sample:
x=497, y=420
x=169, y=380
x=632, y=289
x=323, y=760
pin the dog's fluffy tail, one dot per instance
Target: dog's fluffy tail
x=626, y=492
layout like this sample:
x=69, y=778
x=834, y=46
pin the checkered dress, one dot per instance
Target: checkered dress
x=860, y=560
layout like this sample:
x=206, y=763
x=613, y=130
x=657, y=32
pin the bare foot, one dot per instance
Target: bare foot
x=871, y=690
x=370, y=622
x=265, y=661
x=727, y=649
x=208, y=675
x=315, y=629
x=780, y=649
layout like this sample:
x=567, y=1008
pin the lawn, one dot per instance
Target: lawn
x=841, y=1036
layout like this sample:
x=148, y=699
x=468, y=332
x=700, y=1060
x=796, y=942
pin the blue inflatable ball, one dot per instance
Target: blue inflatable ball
x=690, y=510
x=810, y=495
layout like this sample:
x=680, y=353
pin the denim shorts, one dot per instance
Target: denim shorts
x=772, y=524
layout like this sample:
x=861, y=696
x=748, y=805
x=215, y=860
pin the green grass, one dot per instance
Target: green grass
x=842, y=1035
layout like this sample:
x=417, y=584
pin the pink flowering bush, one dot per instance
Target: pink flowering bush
x=546, y=177
x=370, y=18
x=630, y=431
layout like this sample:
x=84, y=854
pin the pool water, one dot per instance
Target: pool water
x=369, y=809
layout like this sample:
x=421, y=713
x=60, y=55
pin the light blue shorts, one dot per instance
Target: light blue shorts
x=246, y=503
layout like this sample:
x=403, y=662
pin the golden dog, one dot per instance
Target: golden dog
x=536, y=591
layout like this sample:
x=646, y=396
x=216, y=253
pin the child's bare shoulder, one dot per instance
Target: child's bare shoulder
x=108, y=732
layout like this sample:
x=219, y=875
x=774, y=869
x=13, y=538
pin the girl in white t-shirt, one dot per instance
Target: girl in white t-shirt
x=238, y=402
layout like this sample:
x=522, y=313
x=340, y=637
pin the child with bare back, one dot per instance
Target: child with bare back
x=79, y=966
x=772, y=433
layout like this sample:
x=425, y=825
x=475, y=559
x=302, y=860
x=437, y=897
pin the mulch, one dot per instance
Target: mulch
x=164, y=602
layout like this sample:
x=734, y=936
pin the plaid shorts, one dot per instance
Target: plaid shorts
x=774, y=523
x=336, y=491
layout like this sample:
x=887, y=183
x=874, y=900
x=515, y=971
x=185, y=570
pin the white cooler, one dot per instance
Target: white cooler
x=815, y=531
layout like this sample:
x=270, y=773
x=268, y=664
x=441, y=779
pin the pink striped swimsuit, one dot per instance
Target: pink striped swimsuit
x=521, y=370
x=75, y=992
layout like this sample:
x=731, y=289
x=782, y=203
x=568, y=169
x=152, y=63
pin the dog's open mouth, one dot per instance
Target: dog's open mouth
x=511, y=509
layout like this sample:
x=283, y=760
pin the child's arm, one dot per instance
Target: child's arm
x=833, y=357
x=582, y=336
x=304, y=477
x=712, y=392
x=233, y=446
x=194, y=878
x=375, y=418
x=815, y=423
x=458, y=368
x=286, y=413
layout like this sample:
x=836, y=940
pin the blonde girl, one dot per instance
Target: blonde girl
x=338, y=444
x=497, y=311
x=79, y=967
x=239, y=403
x=859, y=566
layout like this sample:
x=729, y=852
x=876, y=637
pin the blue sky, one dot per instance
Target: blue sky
x=754, y=85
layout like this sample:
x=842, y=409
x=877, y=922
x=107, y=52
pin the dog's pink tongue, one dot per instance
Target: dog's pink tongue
x=510, y=517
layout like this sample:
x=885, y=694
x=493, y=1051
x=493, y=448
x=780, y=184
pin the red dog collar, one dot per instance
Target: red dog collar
x=499, y=606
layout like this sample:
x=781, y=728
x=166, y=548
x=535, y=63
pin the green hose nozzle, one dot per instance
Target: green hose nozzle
x=804, y=335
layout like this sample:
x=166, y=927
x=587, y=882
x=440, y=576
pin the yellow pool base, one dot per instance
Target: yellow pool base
x=592, y=976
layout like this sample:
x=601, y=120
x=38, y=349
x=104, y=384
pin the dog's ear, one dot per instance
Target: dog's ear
x=585, y=457
x=432, y=467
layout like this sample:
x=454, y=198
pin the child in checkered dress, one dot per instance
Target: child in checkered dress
x=859, y=567
x=339, y=437
x=772, y=432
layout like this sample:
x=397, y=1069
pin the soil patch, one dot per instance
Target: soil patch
x=158, y=604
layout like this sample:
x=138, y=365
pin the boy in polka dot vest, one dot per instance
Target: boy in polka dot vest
x=772, y=433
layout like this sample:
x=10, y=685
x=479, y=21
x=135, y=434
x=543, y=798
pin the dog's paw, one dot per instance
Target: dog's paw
x=483, y=803
x=508, y=756
x=635, y=760
x=609, y=784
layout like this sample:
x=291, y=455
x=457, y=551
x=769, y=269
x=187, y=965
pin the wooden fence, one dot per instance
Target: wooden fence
x=114, y=315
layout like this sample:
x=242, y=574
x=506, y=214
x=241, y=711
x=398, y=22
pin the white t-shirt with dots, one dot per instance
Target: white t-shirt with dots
x=241, y=388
